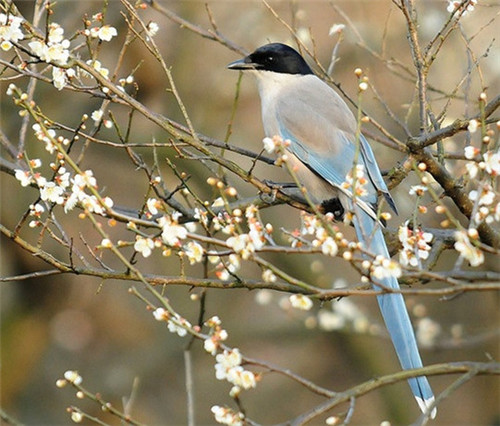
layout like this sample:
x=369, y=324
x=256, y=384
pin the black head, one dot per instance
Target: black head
x=276, y=57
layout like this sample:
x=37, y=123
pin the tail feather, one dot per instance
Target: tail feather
x=394, y=312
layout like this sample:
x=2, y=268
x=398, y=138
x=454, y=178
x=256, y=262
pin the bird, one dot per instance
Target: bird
x=321, y=134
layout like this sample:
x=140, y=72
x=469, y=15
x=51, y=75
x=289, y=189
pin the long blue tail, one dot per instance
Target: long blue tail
x=394, y=312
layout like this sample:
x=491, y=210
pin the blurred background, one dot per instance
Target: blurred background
x=55, y=323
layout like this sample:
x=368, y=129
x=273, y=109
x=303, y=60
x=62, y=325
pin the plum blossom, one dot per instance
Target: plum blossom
x=467, y=250
x=10, y=30
x=161, y=314
x=106, y=33
x=56, y=47
x=194, y=252
x=299, y=301
x=178, y=325
x=144, y=246
x=226, y=416
x=359, y=181
x=329, y=247
x=153, y=204
x=52, y=192
x=73, y=377
x=492, y=163
x=98, y=67
x=268, y=276
x=153, y=29
x=415, y=245
x=454, y=5
x=97, y=116
x=382, y=268
x=228, y=367
x=59, y=78
x=417, y=190
x=172, y=232
x=23, y=176
x=470, y=152
x=274, y=144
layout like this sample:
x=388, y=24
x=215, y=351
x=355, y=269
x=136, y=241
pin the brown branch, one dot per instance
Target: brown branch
x=454, y=189
x=476, y=368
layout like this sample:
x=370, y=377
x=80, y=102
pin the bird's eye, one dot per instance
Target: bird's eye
x=270, y=58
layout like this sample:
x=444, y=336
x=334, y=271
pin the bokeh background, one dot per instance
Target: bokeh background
x=55, y=323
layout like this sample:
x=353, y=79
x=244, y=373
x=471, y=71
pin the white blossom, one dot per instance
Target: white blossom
x=52, y=192
x=24, y=177
x=194, y=252
x=144, y=246
x=467, y=250
x=299, y=301
x=329, y=247
x=73, y=377
x=106, y=33
x=152, y=29
x=97, y=116
x=179, y=326
x=152, y=204
x=59, y=78
x=227, y=416
x=10, y=30
x=172, y=232
x=268, y=276
x=492, y=163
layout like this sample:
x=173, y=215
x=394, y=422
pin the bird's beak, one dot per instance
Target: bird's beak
x=242, y=64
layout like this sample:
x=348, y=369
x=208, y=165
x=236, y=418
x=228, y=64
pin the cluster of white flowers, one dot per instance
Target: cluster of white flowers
x=49, y=137
x=274, y=144
x=175, y=323
x=228, y=367
x=217, y=335
x=226, y=416
x=172, y=233
x=489, y=162
x=415, y=245
x=486, y=208
x=224, y=270
x=10, y=30
x=224, y=221
x=55, y=49
x=313, y=226
x=70, y=376
x=79, y=183
x=359, y=181
x=55, y=191
x=467, y=249
x=98, y=67
x=454, y=5
x=383, y=267
x=36, y=211
x=245, y=244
